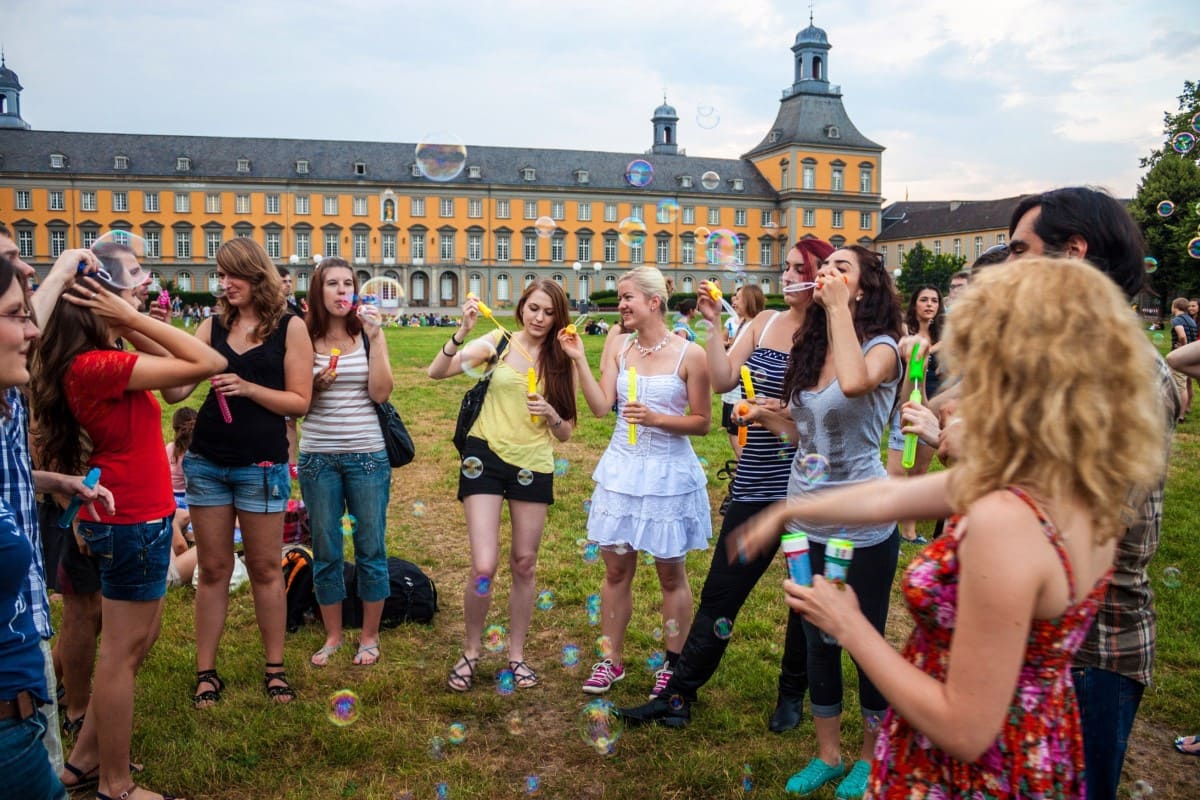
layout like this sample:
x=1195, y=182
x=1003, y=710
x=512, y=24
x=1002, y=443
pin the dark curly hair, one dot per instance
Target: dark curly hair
x=878, y=313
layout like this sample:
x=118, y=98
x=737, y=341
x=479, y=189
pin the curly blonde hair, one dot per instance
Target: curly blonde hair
x=1059, y=390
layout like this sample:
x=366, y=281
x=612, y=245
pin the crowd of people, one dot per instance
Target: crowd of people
x=1034, y=634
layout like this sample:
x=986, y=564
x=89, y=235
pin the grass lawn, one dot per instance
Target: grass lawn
x=249, y=748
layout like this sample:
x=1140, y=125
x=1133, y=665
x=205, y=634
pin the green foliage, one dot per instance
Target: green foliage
x=1181, y=120
x=1175, y=178
x=922, y=267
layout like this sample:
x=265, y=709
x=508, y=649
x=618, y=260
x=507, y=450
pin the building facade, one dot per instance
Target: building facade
x=483, y=231
x=960, y=228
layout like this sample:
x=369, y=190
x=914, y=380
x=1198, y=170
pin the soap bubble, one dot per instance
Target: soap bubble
x=593, y=602
x=656, y=634
x=639, y=173
x=472, y=467
x=632, y=232
x=525, y=477
x=117, y=268
x=747, y=779
x=1183, y=142
x=723, y=628
x=515, y=722
x=710, y=180
x=533, y=784
x=648, y=558
x=721, y=247
x=483, y=585
x=655, y=661
x=545, y=600
x=570, y=656
x=457, y=733
x=436, y=748
x=1141, y=790
x=814, y=469
x=1194, y=247
x=604, y=647
x=545, y=227
x=1172, y=578
x=1166, y=208
x=707, y=117
x=1151, y=264
x=591, y=553
x=418, y=508
x=349, y=525
x=443, y=791
x=587, y=506
x=342, y=708
x=506, y=682
x=600, y=725
x=478, y=357
x=441, y=156
x=380, y=293
x=671, y=627
x=702, y=233
x=561, y=467
x=495, y=638
x=668, y=211
x=703, y=462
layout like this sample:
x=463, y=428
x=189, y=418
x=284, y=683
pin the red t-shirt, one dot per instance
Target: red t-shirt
x=126, y=432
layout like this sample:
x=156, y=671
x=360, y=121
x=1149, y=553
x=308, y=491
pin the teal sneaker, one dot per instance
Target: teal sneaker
x=854, y=785
x=813, y=777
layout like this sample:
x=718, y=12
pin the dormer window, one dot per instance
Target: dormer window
x=57, y=161
x=183, y=164
x=120, y=162
x=243, y=165
x=581, y=176
x=774, y=135
x=739, y=184
x=832, y=132
x=474, y=172
x=415, y=169
x=528, y=174
x=360, y=168
x=302, y=167
x=685, y=181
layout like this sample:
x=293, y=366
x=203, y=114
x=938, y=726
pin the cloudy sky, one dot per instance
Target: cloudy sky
x=971, y=99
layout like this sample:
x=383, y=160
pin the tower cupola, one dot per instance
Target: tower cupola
x=10, y=99
x=665, y=120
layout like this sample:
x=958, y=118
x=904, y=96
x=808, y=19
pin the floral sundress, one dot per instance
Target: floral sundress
x=1039, y=753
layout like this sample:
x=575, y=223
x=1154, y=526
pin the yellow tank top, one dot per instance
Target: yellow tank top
x=505, y=425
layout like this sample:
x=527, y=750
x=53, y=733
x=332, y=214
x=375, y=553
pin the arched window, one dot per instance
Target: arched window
x=817, y=68
x=765, y=283
x=502, y=289
x=418, y=288
x=212, y=282
x=302, y=281
x=610, y=283
x=184, y=281
x=475, y=283
x=689, y=285
x=529, y=278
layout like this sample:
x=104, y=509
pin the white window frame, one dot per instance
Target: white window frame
x=416, y=206
x=302, y=244
x=302, y=205
x=474, y=247
x=583, y=211
x=329, y=205
x=87, y=200
x=183, y=245
x=58, y=200
x=503, y=209
x=359, y=206
x=333, y=243
x=272, y=203
x=183, y=202
x=153, y=244
x=120, y=201
x=474, y=208
x=446, y=207
x=23, y=200
x=241, y=203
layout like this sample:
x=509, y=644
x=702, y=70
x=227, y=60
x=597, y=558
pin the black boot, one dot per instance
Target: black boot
x=673, y=711
x=787, y=713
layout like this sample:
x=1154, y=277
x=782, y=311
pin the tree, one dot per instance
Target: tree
x=1173, y=178
x=922, y=267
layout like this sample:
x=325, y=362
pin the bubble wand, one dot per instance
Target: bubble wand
x=334, y=354
x=531, y=390
x=916, y=374
x=505, y=332
x=632, y=399
x=72, y=509
x=223, y=404
x=744, y=407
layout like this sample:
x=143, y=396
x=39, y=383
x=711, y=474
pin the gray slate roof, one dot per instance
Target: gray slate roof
x=387, y=163
x=909, y=220
x=804, y=118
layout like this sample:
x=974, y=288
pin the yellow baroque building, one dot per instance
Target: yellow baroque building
x=813, y=174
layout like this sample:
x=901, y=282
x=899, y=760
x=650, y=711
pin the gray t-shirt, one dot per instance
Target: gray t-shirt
x=838, y=445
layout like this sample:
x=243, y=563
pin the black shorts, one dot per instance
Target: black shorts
x=727, y=419
x=496, y=476
x=78, y=573
x=48, y=513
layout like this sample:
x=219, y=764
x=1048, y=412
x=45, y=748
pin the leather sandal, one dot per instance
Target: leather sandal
x=523, y=675
x=275, y=673
x=125, y=795
x=89, y=778
x=463, y=674
x=209, y=697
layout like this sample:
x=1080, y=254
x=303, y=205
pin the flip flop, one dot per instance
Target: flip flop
x=322, y=656
x=86, y=780
x=367, y=654
x=1184, y=742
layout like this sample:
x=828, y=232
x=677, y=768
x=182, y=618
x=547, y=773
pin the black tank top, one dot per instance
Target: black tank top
x=256, y=434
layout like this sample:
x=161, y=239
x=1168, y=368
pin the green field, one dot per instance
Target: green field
x=248, y=748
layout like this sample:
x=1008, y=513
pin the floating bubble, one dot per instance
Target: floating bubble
x=478, y=357
x=639, y=173
x=1183, y=142
x=515, y=722
x=525, y=477
x=604, y=646
x=700, y=331
x=702, y=233
x=483, y=585
x=620, y=548
x=587, y=506
x=533, y=784
x=723, y=628
x=561, y=467
x=747, y=779
x=710, y=180
x=668, y=211
x=570, y=656
x=655, y=661
x=506, y=682
x=676, y=702
x=896, y=272
x=1194, y=247
x=342, y=708
x=703, y=462
x=593, y=618
x=436, y=748
x=381, y=294
x=545, y=227
x=1158, y=338
x=600, y=725
x=1141, y=790
x=441, y=156
x=632, y=232
x=418, y=508
x=784, y=454
x=349, y=525
x=707, y=117
x=1166, y=208
x=118, y=269
x=495, y=638
x=593, y=602
x=721, y=247
x=814, y=469
x=1151, y=264
x=456, y=733
x=545, y=600
x=472, y=467
x=1172, y=578
x=648, y=558
x=443, y=791
x=591, y=553
x=656, y=634
x=671, y=627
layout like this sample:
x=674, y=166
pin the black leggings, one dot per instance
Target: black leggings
x=871, y=573
x=726, y=588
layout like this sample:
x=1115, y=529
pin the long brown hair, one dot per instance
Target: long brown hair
x=557, y=372
x=244, y=258
x=317, y=318
x=183, y=422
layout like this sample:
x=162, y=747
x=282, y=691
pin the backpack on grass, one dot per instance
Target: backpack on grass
x=413, y=596
x=298, y=584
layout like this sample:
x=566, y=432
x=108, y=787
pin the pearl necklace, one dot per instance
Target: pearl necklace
x=649, y=351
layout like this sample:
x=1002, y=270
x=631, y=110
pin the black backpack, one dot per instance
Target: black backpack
x=413, y=596
x=298, y=584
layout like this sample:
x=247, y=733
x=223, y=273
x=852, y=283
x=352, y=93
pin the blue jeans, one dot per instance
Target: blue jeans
x=356, y=483
x=1108, y=702
x=23, y=761
x=133, y=558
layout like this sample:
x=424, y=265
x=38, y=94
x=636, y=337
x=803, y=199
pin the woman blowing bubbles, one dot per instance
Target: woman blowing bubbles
x=982, y=702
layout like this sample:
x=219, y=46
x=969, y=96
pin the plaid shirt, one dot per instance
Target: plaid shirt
x=1122, y=640
x=16, y=488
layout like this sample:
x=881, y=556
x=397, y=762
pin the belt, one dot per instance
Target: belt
x=24, y=707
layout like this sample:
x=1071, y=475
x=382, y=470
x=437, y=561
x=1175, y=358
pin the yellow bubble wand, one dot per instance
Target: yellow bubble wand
x=632, y=399
x=744, y=407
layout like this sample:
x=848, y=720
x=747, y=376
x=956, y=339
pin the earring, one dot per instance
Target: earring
x=860, y=297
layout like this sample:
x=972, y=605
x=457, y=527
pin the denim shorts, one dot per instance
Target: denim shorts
x=264, y=489
x=26, y=768
x=133, y=558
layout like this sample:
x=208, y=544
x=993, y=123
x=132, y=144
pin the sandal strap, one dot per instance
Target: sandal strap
x=459, y=677
x=285, y=690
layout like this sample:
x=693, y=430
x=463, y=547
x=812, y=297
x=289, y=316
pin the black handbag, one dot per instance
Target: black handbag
x=472, y=405
x=396, y=439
